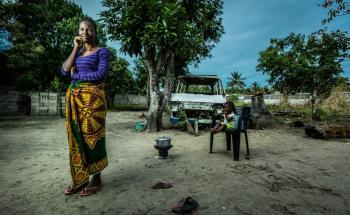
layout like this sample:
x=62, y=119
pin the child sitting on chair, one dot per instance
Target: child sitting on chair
x=229, y=116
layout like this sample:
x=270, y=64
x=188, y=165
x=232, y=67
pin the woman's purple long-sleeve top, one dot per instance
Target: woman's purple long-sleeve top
x=93, y=67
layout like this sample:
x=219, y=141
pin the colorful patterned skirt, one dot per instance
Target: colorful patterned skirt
x=86, y=114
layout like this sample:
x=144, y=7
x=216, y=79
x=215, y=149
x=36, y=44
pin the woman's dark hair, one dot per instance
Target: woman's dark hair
x=93, y=23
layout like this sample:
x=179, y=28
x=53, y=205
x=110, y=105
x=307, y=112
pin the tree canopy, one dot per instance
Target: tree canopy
x=299, y=63
x=188, y=27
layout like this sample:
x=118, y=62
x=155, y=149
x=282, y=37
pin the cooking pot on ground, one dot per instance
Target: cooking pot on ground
x=163, y=141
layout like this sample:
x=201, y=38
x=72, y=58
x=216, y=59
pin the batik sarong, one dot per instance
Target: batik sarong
x=86, y=113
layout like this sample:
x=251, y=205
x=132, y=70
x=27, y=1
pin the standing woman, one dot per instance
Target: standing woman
x=86, y=110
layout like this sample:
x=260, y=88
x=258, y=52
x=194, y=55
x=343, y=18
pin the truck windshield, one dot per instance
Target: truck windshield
x=208, y=86
x=199, y=89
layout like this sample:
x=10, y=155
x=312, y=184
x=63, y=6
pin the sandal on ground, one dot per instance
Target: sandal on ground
x=186, y=207
x=87, y=191
x=72, y=190
x=162, y=185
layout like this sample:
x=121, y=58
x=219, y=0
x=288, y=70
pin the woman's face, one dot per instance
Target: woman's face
x=87, y=32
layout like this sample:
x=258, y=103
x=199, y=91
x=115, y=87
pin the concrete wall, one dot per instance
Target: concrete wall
x=130, y=99
x=33, y=103
x=297, y=99
x=14, y=103
x=45, y=103
x=276, y=101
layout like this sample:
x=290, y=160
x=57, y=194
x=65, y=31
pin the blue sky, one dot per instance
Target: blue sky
x=249, y=26
x=4, y=41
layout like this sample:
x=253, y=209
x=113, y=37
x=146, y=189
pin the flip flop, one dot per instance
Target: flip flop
x=87, y=191
x=71, y=190
x=162, y=185
x=188, y=206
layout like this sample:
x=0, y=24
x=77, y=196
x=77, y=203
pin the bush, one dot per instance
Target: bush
x=232, y=98
x=324, y=114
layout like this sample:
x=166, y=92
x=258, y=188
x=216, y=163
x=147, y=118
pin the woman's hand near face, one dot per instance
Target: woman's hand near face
x=78, y=42
x=69, y=62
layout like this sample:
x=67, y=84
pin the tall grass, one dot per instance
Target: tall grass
x=337, y=102
x=327, y=109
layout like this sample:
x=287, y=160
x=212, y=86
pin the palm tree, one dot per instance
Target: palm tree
x=236, y=82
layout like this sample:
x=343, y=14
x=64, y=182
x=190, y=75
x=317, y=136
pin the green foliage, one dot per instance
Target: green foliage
x=321, y=113
x=35, y=55
x=56, y=85
x=336, y=8
x=297, y=63
x=120, y=79
x=232, y=98
x=324, y=114
x=183, y=120
x=199, y=89
x=141, y=74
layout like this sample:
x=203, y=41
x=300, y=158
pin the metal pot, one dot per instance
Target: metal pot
x=163, y=141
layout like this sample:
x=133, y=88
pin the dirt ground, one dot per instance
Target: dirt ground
x=288, y=173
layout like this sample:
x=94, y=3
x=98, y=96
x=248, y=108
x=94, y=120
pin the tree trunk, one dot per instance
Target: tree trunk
x=313, y=106
x=284, y=98
x=154, y=67
x=148, y=92
x=154, y=107
x=261, y=117
x=258, y=104
x=168, y=86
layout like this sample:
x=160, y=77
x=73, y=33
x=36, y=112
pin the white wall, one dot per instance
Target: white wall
x=297, y=99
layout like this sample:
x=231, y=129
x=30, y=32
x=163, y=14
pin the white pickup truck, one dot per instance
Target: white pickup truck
x=200, y=96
